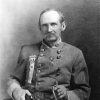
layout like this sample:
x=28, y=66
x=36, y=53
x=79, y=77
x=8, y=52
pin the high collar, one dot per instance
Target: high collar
x=54, y=45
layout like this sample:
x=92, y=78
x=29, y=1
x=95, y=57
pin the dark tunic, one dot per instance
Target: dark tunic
x=62, y=65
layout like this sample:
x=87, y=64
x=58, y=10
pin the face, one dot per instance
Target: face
x=51, y=26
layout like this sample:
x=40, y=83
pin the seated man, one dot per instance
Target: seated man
x=51, y=69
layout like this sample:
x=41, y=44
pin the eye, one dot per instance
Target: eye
x=53, y=24
x=44, y=25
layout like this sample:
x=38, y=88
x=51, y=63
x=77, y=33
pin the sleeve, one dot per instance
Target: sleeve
x=80, y=89
x=17, y=78
x=20, y=71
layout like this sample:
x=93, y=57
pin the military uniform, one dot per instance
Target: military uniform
x=63, y=65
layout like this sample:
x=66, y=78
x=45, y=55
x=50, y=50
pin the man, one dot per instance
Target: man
x=51, y=69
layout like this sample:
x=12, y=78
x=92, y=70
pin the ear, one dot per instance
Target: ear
x=63, y=27
x=39, y=26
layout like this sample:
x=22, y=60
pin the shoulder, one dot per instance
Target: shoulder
x=71, y=48
x=30, y=46
x=27, y=50
x=73, y=52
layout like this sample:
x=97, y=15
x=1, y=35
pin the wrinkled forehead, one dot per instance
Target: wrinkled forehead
x=50, y=16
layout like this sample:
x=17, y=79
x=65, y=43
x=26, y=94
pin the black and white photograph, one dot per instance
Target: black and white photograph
x=49, y=49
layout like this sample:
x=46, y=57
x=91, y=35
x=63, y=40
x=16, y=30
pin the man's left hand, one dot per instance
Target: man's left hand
x=61, y=91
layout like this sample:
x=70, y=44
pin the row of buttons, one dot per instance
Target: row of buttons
x=51, y=59
x=39, y=68
x=58, y=51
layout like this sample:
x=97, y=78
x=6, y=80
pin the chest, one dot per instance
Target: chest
x=52, y=59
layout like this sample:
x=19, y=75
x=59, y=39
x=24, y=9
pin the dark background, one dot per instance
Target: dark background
x=84, y=32
x=19, y=25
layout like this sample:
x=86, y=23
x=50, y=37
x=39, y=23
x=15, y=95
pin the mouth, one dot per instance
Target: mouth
x=50, y=38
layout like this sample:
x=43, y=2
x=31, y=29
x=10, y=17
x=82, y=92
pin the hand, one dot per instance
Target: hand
x=19, y=94
x=61, y=91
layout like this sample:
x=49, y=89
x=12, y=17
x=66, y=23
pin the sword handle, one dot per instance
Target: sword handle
x=31, y=68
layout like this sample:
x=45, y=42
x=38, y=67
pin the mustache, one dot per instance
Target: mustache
x=50, y=37
x=50, y=34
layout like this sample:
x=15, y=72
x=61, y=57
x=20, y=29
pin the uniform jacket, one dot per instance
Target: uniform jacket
x=62, y=65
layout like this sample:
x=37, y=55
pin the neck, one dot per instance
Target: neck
x=52, y=44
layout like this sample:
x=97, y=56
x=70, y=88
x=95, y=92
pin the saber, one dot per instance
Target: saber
x=29, y=76
x=32, y=59
x=54, y=91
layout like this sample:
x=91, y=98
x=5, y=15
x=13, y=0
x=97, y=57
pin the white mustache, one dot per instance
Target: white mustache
x=51, y=37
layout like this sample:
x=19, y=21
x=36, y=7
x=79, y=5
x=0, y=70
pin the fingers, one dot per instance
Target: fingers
x=19, y=94
x=28, y=93
x=61, y=96
x=22, y=97
x=23, y=93
x=61, y=91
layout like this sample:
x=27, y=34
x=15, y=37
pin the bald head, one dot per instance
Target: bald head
x=51, y=12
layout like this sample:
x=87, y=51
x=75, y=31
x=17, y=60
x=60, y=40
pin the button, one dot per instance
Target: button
x=52, y=63
x=38, y=83
x=51, y=58
x=36, y=74
x=38, y=70
x=40, y=65
x=42, y=50
x=59, y=56
x=58, y=51
x=41, y=54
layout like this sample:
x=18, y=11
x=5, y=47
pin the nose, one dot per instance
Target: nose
x=49, y=28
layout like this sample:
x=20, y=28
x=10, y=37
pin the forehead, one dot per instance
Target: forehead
x=50, y=16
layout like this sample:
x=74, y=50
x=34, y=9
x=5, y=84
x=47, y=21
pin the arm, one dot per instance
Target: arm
x=79, y=83
x=17, y=79
x=80, y=89
x=15, y=90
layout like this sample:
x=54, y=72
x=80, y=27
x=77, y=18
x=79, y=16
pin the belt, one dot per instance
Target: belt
x=42, y=96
